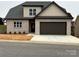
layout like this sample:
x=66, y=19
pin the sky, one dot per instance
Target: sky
x=71, y=6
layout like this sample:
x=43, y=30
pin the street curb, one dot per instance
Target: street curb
x=41, y=42
x=58, y=43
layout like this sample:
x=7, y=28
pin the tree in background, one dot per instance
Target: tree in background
x=1, y=21
x=2, y=26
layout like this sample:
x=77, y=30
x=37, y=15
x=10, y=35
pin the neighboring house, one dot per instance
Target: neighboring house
x=72, y=27
x=39, y=18
x=76, y=27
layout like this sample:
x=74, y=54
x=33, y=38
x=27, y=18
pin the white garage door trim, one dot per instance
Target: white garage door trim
x=37, y=24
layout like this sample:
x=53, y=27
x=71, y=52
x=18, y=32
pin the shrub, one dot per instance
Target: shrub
x=24, y=32
x=19, y=32
x=14, y=32
x=9, y=32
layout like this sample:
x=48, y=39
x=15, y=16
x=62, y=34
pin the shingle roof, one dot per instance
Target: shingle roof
x=17, y=12
x=44, y=3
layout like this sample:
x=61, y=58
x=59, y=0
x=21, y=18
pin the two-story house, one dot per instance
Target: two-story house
x=39, y=18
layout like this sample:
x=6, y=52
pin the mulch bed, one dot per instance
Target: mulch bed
x=15, y=37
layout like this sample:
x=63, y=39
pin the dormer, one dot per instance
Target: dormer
x=31, y=10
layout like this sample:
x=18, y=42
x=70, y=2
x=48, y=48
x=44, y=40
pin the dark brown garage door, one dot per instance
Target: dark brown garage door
x=54, y=28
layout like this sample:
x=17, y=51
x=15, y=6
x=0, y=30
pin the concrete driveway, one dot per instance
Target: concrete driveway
x=56, y=39
x=21, y=49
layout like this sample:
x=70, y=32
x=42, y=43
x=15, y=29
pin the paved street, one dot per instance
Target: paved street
x=14, y=49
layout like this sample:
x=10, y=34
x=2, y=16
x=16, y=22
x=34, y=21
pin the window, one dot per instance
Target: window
x=17, y=24
x=32, y=12
x=14, y=24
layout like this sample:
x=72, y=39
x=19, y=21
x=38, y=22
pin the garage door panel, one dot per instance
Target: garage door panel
x=55, y=28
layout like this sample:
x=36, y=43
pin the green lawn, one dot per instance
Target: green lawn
x=3, y=28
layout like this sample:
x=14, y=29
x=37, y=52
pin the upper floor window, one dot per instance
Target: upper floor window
x=32, y=12
x=17, y=24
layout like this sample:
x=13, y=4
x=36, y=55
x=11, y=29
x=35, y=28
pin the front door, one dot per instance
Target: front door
x=32, y=26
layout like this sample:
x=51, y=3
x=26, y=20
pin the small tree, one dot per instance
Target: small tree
x=1, y=21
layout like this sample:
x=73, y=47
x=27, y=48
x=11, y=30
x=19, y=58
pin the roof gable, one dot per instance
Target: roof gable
x=54, y=9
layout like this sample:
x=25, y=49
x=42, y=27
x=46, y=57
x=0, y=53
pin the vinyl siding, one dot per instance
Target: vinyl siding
x=53, y=10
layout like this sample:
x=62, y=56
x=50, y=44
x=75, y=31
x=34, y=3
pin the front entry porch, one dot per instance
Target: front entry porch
x=32, y=26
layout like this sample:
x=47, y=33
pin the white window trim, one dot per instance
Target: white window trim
x=15, y=25
x=33, y=12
